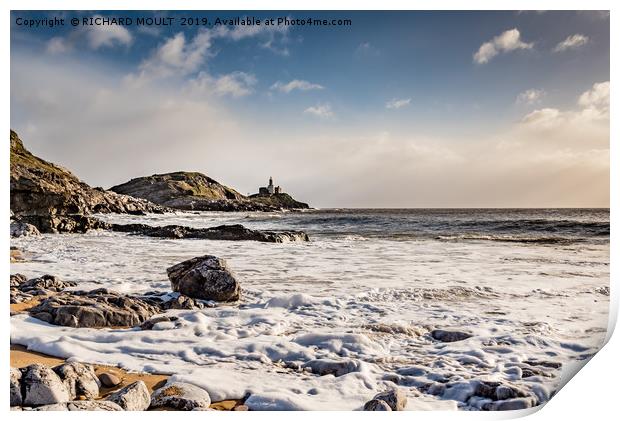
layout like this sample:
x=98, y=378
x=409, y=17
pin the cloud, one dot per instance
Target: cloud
x=366, y=49
x=596, y=100
x=94, y=37
x=530, y=96
x=236, y=84
x=107, y=36
x=592, y=109
x=322, y=111
x=301, y=85
x=395, y=104
x=179, y=56
x=571, y=42
x=58, y=45
x=272, y=37
x=507, y=41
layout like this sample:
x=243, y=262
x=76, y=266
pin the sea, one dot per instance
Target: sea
x=327, y=324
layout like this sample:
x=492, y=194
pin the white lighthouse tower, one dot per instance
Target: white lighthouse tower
x=270, y=187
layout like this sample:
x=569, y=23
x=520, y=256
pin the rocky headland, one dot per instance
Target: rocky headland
x=195, y=191
x=47, y=198
x=53, y=199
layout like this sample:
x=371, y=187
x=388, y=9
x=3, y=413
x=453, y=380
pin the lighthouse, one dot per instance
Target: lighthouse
x=270, y=187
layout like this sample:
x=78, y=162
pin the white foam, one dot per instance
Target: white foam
x=308, y=308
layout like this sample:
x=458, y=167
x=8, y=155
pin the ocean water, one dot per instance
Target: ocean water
x=359, y=299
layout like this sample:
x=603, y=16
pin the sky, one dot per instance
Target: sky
x=397, y=109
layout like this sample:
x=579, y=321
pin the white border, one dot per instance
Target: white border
x=594, y=391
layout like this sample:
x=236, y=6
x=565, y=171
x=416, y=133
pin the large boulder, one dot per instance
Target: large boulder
x=205, y=277
x=181, y=396
x=80, y=379
x=42, y=386
x=134, y=397
x=96, y=309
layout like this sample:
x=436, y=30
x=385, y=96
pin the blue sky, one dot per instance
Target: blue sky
x=436, y=107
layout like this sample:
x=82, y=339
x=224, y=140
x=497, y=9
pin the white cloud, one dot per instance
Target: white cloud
x=571, y=42
x=544, y=118
x=176, y=56
x=596, y=100
x=179, y=56
x=94, y=37
x=507, y=41
x=530, y=96
x=107, y=36
x=321, y=110
x=58, y=45
x=235, y=84
x=302, y=85
x=593, y=108
x=272, y=37
x=395, y=103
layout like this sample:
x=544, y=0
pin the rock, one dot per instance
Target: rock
x=148, y=325
x=96, y=309
x=395, y=398
x=22, y=229
x=54, y=200
x=498, y=391
x=241, y=408
x=17, y=279
x=205, y=277
x=181, y=302
x=135, y=397
x=16, y=391
x=324, y=366
x=196, y=191
x=181, y=396
x=16, y=255
x=81, y=406
x=509, y=405
x=223, y=232
x=42, y=386
x=80, y=379
x=109, y=380
x=449, y=336
x=49, y=283
x=377, y=405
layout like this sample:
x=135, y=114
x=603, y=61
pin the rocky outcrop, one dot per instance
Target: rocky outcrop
x=95, y=309
x=205, y=277
x=196, y=191
x=180, y=396
x=223, y=232
x=278, y=201
x=44, y=194
x=24, y=290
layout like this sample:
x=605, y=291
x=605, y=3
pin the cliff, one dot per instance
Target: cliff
x=42, y=192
